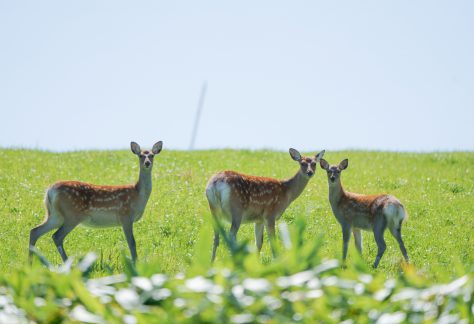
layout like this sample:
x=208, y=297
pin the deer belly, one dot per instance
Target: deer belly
x=101, y=219
x=252, y=216
x=362, y=223
x=247, y=217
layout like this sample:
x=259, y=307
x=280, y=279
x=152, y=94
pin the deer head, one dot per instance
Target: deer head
x=333, y=171
x=307, y=164
x=145, y=156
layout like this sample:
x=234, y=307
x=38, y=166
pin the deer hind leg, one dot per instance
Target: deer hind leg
x=259, y=235
x=127, y=226
x=217, y=224
x=379, y=229
x=396, y=231
x=234, y=228
x=216, y=231
x=51, y=222
x=216, y=244
x=357, y=239
x=60, y=234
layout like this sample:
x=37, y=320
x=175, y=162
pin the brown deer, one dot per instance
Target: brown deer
x=70, y=203
x=239, y=198
x=371, y=213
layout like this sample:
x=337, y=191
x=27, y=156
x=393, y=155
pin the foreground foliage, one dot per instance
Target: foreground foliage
x=297, y=286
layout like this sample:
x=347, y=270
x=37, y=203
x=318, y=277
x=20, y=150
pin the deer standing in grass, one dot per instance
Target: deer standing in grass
x=70, y=203
x=372, y=213
x=239, y=198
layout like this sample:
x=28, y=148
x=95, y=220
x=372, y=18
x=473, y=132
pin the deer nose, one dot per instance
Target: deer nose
x=147, y=163
x=310, y=173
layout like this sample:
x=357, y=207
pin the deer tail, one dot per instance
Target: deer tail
x=395, y=214
x=213, y=196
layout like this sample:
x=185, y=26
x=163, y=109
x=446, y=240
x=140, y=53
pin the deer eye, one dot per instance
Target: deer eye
x=304, y=163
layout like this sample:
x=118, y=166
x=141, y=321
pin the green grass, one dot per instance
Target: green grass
x=437, y=190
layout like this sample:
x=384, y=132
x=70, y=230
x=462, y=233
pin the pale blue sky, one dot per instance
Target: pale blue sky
x=391, y=75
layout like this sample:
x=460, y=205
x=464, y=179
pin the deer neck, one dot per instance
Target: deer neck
x=296, y=185
x=336, y=192
x=143, y=185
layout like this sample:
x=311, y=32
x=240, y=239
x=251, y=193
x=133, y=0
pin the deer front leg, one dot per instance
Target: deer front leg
x=127, y=226
x=270, y=225
x=357, y=239
x=346, y=236
x=259, y=236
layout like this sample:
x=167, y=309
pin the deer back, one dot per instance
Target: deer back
x=95, y=205
x=359, y=210
x=251, y=195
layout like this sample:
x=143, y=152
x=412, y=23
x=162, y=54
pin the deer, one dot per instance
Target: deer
x=70, y=203
x=358, y=212
x=239, y=198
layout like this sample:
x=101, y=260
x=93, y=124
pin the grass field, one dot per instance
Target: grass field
x=437, y=190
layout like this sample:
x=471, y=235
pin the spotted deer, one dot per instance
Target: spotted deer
x=358, y=212
x=239, y=198
x=70, y=203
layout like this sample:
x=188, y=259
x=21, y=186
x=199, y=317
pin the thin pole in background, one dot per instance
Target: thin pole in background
x=198, y=115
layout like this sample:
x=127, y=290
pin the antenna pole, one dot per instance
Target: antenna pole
x=198, y=115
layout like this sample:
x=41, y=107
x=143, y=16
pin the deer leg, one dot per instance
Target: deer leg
x=48, y=225
x=127, y=227
x=397, y=233
x=379, y=229
x=60, y=234
x=216, y=244
x=357, y=239
x=234, y=228
x=346, y=236
x=259, y=235
x=270, y=225
x=216, y=231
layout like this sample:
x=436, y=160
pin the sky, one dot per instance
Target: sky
x=378, y=75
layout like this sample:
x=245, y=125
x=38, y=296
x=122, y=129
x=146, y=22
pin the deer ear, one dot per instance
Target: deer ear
x=343, y=165
x=320, y=155
x=157, y=147
x=324, y=164
x=135, y=148
x=295, y=155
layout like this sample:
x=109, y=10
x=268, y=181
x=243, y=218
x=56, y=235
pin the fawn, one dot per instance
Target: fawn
x=239, y=198
x=372, y=213
x=70, y=203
